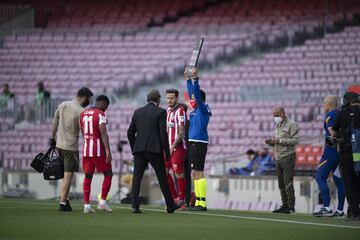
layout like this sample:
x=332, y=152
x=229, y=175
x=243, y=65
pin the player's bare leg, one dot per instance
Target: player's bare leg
x=65, y=189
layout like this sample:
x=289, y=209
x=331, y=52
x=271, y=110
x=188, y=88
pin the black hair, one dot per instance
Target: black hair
x=176, y=92
x=84, y=92
x=154, y=96
x=250, y=151
x=202, y=95
x=103, y=98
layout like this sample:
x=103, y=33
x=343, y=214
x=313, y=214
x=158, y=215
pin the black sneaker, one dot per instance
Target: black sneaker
x=199, y=209
x=280, y=210
x=288, y=210
x=68, y=205
x=64, y=208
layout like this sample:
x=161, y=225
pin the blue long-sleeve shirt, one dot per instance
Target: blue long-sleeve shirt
x=200, y=116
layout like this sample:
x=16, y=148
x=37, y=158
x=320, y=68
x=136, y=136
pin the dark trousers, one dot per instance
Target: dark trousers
x=285, y=174
x=187, y=174
x=351, y=182
x=157, y=162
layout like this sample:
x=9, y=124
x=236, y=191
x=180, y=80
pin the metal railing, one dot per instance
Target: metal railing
x=15, y=113
x=224, y=163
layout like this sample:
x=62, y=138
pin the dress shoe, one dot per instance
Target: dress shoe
x=136, y=210
x=173, y=208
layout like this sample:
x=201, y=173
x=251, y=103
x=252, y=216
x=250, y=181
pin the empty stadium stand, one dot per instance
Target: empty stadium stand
x=87, y=45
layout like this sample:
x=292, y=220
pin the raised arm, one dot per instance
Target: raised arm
x=188, y=83
x=196, y=89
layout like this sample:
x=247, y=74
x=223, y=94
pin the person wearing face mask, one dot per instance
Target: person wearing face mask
x=149, y=144
x=329, y=164
x=66, y=130
x=286, y=137
x=198, y=137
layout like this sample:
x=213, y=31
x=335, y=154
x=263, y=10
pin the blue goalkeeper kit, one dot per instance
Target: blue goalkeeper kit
x=328, y=164
x=199, y=118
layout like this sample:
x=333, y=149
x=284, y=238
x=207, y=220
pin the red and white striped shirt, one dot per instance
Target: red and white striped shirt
x=175, y=118
x=90, y=121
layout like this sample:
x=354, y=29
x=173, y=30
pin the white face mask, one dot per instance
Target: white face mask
x=278, y=120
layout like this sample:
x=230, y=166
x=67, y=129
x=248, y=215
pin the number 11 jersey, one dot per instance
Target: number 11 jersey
x=90, y=121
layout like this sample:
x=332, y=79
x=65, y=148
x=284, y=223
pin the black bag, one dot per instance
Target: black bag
x=38, y=163
x=53, y=167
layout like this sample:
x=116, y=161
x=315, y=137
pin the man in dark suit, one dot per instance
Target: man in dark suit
x=149, y=142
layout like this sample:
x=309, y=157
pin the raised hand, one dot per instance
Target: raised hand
x=194, y=73
x=186, y=73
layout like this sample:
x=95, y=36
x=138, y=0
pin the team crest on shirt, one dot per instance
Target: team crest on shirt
x=170, y=124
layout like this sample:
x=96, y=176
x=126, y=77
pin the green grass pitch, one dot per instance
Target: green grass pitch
x=31, y=219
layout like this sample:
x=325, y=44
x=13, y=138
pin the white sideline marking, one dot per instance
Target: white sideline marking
x=254, y=218
x=212, y=215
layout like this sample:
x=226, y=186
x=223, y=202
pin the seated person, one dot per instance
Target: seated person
x=245, y=171
x=258, y=164
x=265, y=162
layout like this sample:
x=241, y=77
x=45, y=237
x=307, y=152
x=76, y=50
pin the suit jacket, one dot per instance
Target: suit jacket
x=147, y=130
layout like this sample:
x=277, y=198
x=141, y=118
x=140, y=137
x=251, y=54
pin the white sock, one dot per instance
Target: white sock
x=87, y=205
x=328, y=208
x=63, y=203
x=339, y=211
x=102, y=201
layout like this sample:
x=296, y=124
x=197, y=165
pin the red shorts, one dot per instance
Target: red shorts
x=177, y=161
x=89, y=164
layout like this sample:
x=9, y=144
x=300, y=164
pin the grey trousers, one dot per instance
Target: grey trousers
x=285, y=174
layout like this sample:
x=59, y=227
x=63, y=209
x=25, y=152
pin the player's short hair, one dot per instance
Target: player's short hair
x=84, y=92
x=154, y=96
x=103, y=98
x=6, y=85
x=250, y=152
x=202, y=95
x=170, y=91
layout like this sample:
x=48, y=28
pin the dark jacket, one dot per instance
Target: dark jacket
x=343, y=119
x=147, y=130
